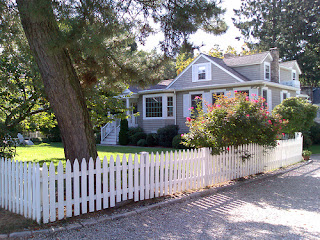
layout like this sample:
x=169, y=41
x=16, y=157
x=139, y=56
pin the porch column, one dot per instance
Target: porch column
x=128, y=105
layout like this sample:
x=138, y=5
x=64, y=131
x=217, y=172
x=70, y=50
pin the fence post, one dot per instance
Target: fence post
x=144, y=180
x=206, y=158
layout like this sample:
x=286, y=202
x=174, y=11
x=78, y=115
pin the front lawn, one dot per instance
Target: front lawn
x=54, y=152
x=315, y=149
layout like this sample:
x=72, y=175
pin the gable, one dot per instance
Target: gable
x=217, y=75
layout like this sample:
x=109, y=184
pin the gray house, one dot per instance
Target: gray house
x=169, y=101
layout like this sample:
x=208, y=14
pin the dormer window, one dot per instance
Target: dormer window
x=201, y=72
x=267, y=71
x=294, y=75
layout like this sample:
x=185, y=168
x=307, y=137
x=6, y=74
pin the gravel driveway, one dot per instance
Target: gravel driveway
x=283, y=207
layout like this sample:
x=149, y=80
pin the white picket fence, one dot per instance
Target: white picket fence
x=47, y=194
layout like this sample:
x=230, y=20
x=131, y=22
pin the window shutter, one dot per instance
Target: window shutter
x=269, y=95
x=207, y=99
x=186, y=105
x=208, y=72
x=288, y=95
x=253, y=91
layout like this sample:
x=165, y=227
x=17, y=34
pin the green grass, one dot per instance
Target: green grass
x=315, y=149
x=54, y=152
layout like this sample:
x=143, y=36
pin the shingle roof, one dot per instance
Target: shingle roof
x=289, y=64
x=161, y=85
x=224, y=65
x=245, y=60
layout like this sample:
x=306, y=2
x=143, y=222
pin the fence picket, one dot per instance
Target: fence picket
x=187, y=174
x=130, y=176
x=175, y=167
x=38, y=194
x=179, y=171
x=171, y=173
x=68, y=190
x=105, y=183
x=13, y=186
x=152, y=183
x=84, y=186
x=9, y=186
x=118, y=179
x=76, y=187
x=60, y=191
x=21, y=188
x=147, y=182
x=161, y=174
x=112, y=183
x=166, y=174
x=183, y=169
x=45, y=194
x=34, y=191
x=52, y=191
x=98, y=184
x=142, y=173
x=136, y=178
x=157, y=175
x=29, y=190
x=91, y=183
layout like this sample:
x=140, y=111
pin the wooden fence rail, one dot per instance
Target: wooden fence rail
x=47, y=194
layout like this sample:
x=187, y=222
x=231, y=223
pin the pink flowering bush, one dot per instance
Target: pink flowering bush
x=233, y=121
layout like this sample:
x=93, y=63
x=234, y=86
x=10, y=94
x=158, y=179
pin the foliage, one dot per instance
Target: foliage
x=307, y=140
x=7, y=143
x=132, y=131
x=138, y=136
x=166, y=134
x=177, y=142
x=306, y=153
x=152, y=139
x=123, y=133
x=142, y=143
x=315, y=133
x=233, y=122
x=53, y=134
x=299, y=112
x=292, y=26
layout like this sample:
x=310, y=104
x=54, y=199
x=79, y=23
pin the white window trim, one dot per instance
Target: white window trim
x=195, y=68
x=187, y=105
x=164, y=106
x=281, y=95
x=293, y=72
x=264, y=71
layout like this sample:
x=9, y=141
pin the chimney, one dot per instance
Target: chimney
x=275, y=65
x=228, y=55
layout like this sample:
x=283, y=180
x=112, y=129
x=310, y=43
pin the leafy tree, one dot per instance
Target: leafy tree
x=293, y=26
x=77, y=44
x=299, y=112
x=233, y=122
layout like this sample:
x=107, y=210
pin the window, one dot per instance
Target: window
x=201, y=72
x=265, y=96
x=267, y=71
x=294, y=77
x=154, y=107
x=215, y=96
x=170, y=106
x=244, y=92
x=284, y=96
x=195, y=99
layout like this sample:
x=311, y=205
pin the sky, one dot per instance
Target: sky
x=209, y=40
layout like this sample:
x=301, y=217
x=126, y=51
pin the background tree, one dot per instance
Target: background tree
x=299, y=112
x=293, y=26
x=76, y=44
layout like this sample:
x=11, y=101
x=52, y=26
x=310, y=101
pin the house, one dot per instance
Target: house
x=169, y=101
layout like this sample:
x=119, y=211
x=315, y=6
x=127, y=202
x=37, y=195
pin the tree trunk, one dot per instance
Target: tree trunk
x=60, y=79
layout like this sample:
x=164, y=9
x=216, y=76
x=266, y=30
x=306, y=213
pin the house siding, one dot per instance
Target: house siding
x=252, y=72
x=276, y=95
x=218, y=77
x=151, y=125
x=285, y=75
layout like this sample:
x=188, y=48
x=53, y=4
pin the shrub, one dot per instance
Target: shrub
x=142, y=143
x=138, y=136
x=315, y=133
x=53, y=134
x=166, y=134
x=233, y=122
x=299, y=112
x=36, y=140
x=133, y=131
x=307, y=141
x=152, y=139
x=7, y=143
x=123, y=134
x=177, y=142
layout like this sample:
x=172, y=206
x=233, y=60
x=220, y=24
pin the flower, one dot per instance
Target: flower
x=269, y=121
x=228, y=148
x=218, y=106
x=248, y=115
x=188, y=119
x=235, y=91
x=253, y=95
x=283, y=134
x=191, y=108
x=247, y=98
x=197, y=97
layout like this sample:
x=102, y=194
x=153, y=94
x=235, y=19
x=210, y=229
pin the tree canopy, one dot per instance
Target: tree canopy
x=293, y=26
x=79, y=45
